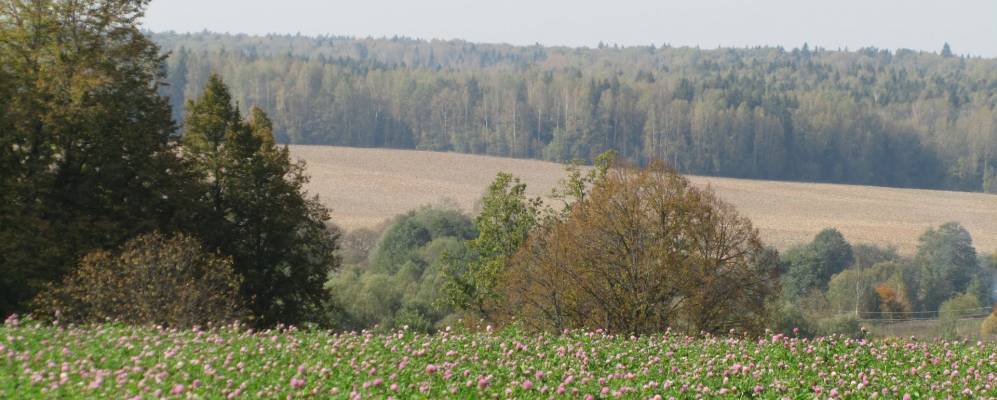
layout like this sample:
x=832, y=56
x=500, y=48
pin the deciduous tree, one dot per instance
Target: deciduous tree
x=643, y=252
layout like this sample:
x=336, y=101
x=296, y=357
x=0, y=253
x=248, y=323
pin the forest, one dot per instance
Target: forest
x=869, y=116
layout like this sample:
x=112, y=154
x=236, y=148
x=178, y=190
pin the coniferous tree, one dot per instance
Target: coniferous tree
x=256, y=209
x=946, y=50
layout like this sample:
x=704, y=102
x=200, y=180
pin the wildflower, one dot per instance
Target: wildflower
x=297, y=383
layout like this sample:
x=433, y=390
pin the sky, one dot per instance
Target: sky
x=969, y=26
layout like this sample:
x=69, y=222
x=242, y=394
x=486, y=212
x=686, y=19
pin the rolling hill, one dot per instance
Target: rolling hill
x=366, y=186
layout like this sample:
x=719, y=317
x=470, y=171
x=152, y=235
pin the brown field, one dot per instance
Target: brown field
x=366, y=186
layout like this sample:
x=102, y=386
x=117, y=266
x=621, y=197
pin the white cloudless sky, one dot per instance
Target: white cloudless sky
x=969, y=26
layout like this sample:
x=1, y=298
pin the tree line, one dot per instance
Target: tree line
x=892, y=118
x=631, y=249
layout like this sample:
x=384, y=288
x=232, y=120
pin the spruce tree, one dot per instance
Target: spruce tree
x=257, y=211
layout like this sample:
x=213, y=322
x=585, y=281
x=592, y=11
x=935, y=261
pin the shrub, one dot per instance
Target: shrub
x=152, y=279
x=844, y=324
x=960, y=306
x=989, y=327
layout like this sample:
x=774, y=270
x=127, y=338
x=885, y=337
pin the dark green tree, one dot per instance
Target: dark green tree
x=946, y=50
x=948, y=263
x=255, y=209
x=812, y=266
x=87, y=158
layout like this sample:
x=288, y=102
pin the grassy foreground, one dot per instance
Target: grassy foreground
x=113, y=361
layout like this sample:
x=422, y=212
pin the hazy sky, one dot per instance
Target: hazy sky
x=970, y=26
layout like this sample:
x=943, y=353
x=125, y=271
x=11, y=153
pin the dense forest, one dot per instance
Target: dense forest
x=892, y=118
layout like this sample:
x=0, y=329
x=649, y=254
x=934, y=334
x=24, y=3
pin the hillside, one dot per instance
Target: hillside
x=877, y=117
x=366, y=186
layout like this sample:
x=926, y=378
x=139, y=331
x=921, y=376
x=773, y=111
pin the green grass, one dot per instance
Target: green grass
x=112, y=361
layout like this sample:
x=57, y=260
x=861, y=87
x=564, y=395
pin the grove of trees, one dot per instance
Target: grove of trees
x=892, y=118
x=92, y=160
x=632, y=250
x=398, y=282
x=827, y=282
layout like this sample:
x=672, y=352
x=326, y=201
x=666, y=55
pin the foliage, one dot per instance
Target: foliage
x=865, y=116
x=87, y=159
x=948, y=263
x=960, y=306
x=400, y=284
x=867, y=255
x=506, y=218
x=891, y=305
x=152, y=279
x=253, y=206
x=843, y=324
x=642, y=252
x=104, y=362
x=988, y=328
x=812, y=266
x=356, y=245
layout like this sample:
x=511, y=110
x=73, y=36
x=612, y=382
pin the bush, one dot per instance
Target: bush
x=152, y=279
x=844, y=324
x=790, y=320
x=960, y=306
x=989, y=327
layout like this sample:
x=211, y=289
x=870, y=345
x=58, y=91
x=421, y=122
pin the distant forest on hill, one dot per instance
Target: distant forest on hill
x=875, y=117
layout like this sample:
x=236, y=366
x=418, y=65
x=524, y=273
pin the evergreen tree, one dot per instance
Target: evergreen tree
x=256, y=210
x=946, y=50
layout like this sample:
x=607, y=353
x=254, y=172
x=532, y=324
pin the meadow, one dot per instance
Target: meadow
x=113, y=361
x=367, y=186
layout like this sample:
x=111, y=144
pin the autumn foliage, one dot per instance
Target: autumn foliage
x=891, y=306
x=644, y=251
x=152, y=279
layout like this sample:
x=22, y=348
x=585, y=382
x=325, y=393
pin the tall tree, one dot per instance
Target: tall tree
x=642, y=252
x=948, y=263
x=86, y=142
x=812, y=266
x=256, y=210
x=505, y=221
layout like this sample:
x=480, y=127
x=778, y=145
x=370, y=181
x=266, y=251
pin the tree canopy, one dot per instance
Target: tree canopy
x=90, y=157
x=253, y=206
x=869, y=116
x=87, y=157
